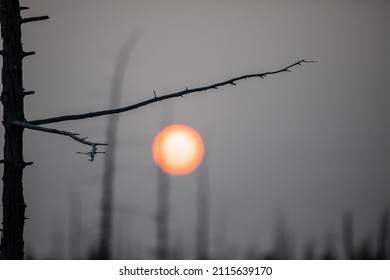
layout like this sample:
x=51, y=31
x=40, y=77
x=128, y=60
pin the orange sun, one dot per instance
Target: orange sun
x=178, y=149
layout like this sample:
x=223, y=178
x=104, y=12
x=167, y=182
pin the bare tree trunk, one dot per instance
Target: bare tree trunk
x=109, y=168
x=348, y=236
x=111, y=135
x=163, y=192
x=163, y=201
x=75, y=226
x=12, y=244
x=203, y=215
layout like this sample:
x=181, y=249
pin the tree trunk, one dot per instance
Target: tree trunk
x=105, y=250
x=162, y=216
x=203, y=215
x=12, y=244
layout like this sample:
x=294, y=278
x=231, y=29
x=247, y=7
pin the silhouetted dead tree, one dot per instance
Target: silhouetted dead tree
x=75, y=226
x=283, y=240
x=348, y=236
x=109, y=161
x=12, y=97
x=203, y=211
x=162, y=216
x=14, y=122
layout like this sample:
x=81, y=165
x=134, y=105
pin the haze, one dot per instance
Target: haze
x=306, y=146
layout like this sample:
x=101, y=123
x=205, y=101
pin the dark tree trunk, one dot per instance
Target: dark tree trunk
x=203, y=215
x=105, y=250
x=162, y=249
x=12, y=244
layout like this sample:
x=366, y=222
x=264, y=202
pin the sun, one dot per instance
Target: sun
x=178, y=149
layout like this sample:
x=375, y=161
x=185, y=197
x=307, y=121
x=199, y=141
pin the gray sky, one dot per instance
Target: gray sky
x=311, y=143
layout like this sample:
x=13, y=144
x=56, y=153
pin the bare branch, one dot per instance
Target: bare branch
x=31, y=19
x=74, y=136
x=163, y=97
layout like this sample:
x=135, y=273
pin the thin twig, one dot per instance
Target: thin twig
x=74, y=136
x=28, y=53
x=31, y=19
x=29, y=92
x=163, y=97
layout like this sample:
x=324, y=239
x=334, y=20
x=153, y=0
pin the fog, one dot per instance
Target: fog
x=302, y=147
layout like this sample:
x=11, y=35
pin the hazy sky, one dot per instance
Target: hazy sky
x=309, y=144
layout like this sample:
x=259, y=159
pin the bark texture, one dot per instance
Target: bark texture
x=12, y=243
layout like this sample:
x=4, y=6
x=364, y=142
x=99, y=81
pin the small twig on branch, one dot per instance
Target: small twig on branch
x=24, y=164
x=163, y=97
x=74, y=136
x=92, y=153
x=31, y=19
x=28, y=53
x=29, y=92
x=89, y=153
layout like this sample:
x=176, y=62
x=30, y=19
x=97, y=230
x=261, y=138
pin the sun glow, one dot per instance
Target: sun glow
x=178, y=149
